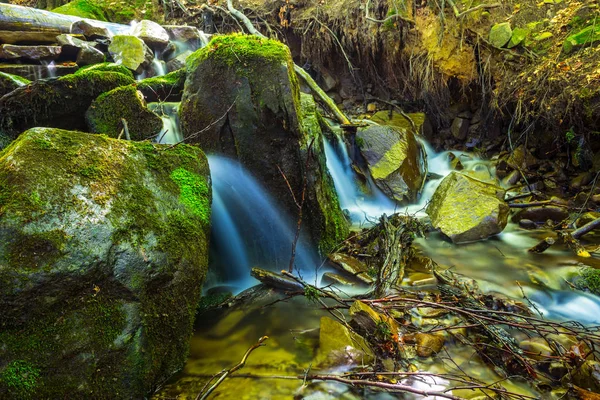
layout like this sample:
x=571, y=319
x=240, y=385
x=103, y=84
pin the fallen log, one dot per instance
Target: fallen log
x=570, y=239
x=19, y=18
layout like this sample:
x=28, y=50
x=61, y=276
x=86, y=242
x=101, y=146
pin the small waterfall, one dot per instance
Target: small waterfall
x=169, y=112
x=249, y=229
x=159, y=67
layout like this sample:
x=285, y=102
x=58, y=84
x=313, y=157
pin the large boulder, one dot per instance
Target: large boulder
x=394, y=160
x=242, y=99
x=154, y=35
x=59, y=103
x=103, y=250
x=466, y=209
x=106, y=112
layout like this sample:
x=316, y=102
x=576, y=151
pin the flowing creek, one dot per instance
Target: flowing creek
x=250, y=230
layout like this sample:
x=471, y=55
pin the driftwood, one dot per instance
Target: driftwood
x=275, y=280
x=571, y=239
x=18, y=18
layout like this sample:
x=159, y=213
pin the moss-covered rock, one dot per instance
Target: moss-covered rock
x=59, y=103
x=103, y=250
x=500, y=34
x=9, y=82
x=110, y=67
x=168, y=87
x=251, y=80
x=393, y=159
x=105, y=113
x=131, y=52
x=84, y=9
x=588, y=36
x=466, y=209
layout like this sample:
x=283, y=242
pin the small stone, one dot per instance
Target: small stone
x=89, y=30
x=340, y=346
x=427, y=344
x=527, y=224
x=460, y=128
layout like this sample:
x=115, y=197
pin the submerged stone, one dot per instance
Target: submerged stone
x=103, y=250
x=59, y=103
x=105, y=114
x=394, y=160
x=338, y=345
x=242, y=99
x=466, y=209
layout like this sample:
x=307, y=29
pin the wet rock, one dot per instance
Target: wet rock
x=340, y=346
x=455, y=163
x=521, y=158
x=105, y=114
x=9, y=82
x=398, y=120
x=460, y=128
x=89, y=30
x=59, y=103
x=102, y=259
x=352, y=266
x=542, y=214
x=190, y=35
x=329, y=278
x=85, y=53
x=131, y=52
x=500, y=34
x=527, y=224
x=367, y=321
x=393, y=159
x=275, y=280
x=154, y=35
x=34, y=72
x=586, y=376
x=427, y=344
x=268, y=127
x=17, y=37
x=536, y=348
x=582, y=179
x=465, y=209
x=32, y=53
x=480, y=172
x=178, y=62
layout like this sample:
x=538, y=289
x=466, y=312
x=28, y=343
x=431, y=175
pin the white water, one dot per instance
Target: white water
x=169, y=113
x=250, y=229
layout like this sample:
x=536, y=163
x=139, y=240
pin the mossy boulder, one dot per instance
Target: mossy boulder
x=9, y=82
x=59, y=103
x=466, y=209
x=106, y=112
x=394, y=161
x=243, y=90
x=131, y=52
x=84, y=9
x=109, y=67
x=103, y=250
x=168, y=87
x=500, y=34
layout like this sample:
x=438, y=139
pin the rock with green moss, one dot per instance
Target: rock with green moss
x=168, y=87
x=106, y=112
x=393, y=159
x=500, y=34
x=59, y=103
x=588, y=280
x=588, y=36
x=131, y=52
x=9, y=82
x=467, y=209
x=251, y=82
x=103, y=250
x=109, y=67
x=84, y=9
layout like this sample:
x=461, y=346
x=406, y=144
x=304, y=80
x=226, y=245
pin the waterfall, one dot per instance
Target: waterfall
x=169, y=113
x=250, y=229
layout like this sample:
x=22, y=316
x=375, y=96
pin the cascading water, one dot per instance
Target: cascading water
x=169, y=113
x=249, y=229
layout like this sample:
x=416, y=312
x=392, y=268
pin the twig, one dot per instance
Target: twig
x=233, y=369
x=125, y=129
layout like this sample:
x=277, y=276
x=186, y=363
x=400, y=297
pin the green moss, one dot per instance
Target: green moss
x=108, y=67
x=237, y=49
x=21, y=378
x=164, y=88
x=588, y=36
x=589, y=280
x=193, y=192
x=83, y=9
